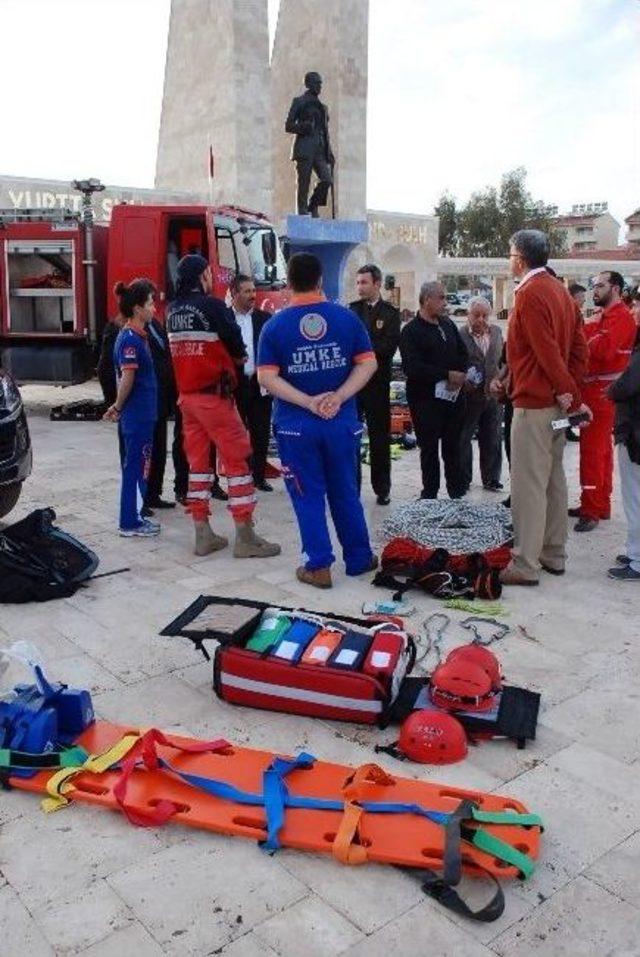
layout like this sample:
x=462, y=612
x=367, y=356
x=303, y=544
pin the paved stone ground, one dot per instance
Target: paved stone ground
x=83, y=881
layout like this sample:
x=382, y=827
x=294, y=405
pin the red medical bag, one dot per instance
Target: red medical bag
x=262, y=680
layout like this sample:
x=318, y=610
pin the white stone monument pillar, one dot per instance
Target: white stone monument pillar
x=330, y=38
x=217, y=91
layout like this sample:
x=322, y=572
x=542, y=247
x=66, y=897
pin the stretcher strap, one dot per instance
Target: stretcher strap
x=452, y=860
x=436, y=887
x=163, y=810
x=60, y=784
x=49, y=759
x=487, y=842
x=276, y=794
x=507, y=817
x=346, y=845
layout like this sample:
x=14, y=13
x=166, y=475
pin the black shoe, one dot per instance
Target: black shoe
x=586, y=525
x=145, y=511
x=624, y=574
x=574, y=512
x=264, y=486
x=623, y=560
x=161, y=503
x=219, y=493
x=507, y=502
x=494, y=487
x=425, y=495
x=383, y=499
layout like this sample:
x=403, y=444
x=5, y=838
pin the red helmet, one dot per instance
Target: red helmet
x=461, y=685
x=479, y=655
x=431, y=737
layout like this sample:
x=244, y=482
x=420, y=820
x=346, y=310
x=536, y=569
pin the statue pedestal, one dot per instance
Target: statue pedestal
x=331, y=240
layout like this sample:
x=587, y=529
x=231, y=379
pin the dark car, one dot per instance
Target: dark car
x=15, y=443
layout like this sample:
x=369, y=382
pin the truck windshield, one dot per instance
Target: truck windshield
x=256, y=250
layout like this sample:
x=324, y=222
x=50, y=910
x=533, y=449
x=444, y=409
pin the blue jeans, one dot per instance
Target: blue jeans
x=319, y=462
x=138, y=442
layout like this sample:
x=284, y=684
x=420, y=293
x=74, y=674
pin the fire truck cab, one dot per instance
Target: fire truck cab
x=149, y=241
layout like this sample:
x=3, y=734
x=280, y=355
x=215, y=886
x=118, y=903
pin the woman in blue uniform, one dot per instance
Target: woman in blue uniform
x=136, y=406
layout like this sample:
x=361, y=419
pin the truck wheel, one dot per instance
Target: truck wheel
x=9, y=495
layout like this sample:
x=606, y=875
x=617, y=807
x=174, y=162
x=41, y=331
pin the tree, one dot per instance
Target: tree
x=448, y=226
x=480, y=225
x=485, y=224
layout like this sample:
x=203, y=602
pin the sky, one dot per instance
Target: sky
x=460, y=91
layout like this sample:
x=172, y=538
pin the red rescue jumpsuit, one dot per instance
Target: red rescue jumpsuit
x=610, y=341
x=205, y=340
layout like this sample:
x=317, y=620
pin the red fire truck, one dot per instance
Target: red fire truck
x=58, y=270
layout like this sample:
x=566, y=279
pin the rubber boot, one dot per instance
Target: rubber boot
x=206, y=539
x=250, y=545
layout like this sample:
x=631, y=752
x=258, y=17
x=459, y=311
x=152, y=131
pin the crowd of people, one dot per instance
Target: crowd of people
x=316, y=372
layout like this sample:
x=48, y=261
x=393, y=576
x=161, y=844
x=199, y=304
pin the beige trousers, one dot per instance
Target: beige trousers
x=538, y=491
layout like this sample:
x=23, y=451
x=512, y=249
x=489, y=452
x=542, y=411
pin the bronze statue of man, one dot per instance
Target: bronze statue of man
x=308, y=120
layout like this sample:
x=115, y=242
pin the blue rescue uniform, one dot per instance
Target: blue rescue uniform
x=314, y=346
x=137, y=420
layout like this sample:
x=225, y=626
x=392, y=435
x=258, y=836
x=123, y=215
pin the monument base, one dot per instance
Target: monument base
x=331, y=240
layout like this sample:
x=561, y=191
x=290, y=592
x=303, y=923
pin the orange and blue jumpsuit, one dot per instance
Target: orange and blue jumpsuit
x=314, y=345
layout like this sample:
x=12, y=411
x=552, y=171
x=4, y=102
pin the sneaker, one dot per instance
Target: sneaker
x=624, y=574
x=154, y=527
x=623, y=560
x=144, y=530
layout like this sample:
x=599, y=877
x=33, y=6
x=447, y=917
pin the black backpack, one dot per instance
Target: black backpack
x=39, y=561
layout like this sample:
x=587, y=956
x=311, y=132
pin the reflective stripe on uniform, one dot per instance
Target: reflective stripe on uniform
x=201, y=477
x=239, y=480
x=199, y=336
x=198, y=493
x=242, y=500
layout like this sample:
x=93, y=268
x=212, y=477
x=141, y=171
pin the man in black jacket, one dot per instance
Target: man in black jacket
x=435, y=361
x=308, y=120
x=253, y=406
x=383, y=325
x=167, y=397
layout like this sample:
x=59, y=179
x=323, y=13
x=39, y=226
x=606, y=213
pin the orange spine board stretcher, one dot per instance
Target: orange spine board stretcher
x=406, y=840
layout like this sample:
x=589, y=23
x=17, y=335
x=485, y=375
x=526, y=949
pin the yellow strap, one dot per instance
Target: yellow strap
x=60, y=784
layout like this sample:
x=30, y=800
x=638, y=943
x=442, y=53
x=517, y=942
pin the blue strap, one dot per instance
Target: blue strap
x=228, y=792
x=276, y=794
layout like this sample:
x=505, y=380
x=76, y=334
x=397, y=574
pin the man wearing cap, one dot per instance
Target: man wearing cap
x=207, y=348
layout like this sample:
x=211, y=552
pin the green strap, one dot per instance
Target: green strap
x=486, y=842
x=71, y=757
x=507, y=817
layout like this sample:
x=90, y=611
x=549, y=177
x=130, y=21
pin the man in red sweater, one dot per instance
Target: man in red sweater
x=610, y=338
x=547, y=354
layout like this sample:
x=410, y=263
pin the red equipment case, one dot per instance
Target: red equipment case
x=259, y=680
